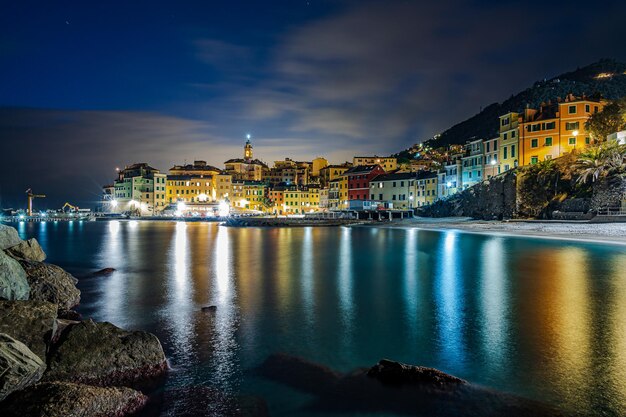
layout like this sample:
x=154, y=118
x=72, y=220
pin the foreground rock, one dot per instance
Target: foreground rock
x=103, y=354
x=8, y=237
x=407, y=390
x=396, y=373
x=27, y=249
x=103, y=272
x=62, y=399
x=31, y=322
x=51, y=283
x=13, y=282
x=19, y=366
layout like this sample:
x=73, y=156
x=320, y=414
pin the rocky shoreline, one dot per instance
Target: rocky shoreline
x=53, y=363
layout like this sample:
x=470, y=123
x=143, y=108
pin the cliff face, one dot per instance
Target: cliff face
x=494, y=199
x=519, y=194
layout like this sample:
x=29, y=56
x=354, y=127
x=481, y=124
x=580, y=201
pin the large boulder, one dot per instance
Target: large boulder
x=27, y=249
x=19, y=366
x=103, y=354
x=13, y=282
x=31, y=322
x=62, y=399
x=51, y=283
x=8, y=237
x=397, y=373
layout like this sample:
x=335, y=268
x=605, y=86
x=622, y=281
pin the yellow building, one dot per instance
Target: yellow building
x=338, y=193
x=508, y=142
x=426, y=188
x=331, y=172
x=555, y=129
x=248, y=195
x=190, y=189
x=246, y=168
x=388, y=163
x=317, y=164
x=301, y=200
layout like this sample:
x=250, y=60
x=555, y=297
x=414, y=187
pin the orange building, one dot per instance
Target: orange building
x=555, y=129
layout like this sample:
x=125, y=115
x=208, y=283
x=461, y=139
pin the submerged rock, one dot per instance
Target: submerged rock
x=19, y=366
x=103, y=272
x=62, y=399
x=396, y=373
x=209, y=309
x=27, y=249
x=13, y=282
x=8, y=237
x=298, y=373
x=51, y=283
x=418, y=391
x=31, y=322
x=103, y=354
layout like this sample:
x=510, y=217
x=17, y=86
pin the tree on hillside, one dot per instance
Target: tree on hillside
x=611, y=119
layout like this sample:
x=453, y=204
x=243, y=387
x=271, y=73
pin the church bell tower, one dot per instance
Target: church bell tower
x=247, y=150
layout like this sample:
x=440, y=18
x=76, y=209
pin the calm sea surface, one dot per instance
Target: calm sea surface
x=545, y=319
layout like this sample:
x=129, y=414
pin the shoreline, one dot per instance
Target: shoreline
x=602, y=233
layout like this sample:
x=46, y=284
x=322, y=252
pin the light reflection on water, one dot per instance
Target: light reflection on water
x=539, y=318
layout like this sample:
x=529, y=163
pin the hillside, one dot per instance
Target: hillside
x=582, y=81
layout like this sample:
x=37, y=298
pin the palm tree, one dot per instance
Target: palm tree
x=601, y=161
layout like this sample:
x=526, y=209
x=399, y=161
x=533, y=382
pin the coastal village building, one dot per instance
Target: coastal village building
x=248, y=195
x=508, y=141
x=331, y=172
x=473, y=163
x=555, y=129
x=426, y=188
x=140, y=189
x=338, y=193
x=196, y=183
x=300, y=200
x=288, y=172
x=317, y=165
x=491, y=165
x=359, y=178
x=387, y=163
x=396, y=188
x=246, y=168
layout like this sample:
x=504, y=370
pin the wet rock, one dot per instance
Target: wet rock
x=8, y=237
x=298, y=373
x=62, y=399
x=209, y=309
x=416, y=392
x=103, y=354
x=396, y=373
x=28, y=250
x=51, y=283
x=205, y=401
x=103, y=272
x=31, y=322
x=62, y=326
x=13, y=282
x=19, y=366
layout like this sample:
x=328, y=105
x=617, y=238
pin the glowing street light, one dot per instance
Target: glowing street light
x=223, y=209
x=113, y=203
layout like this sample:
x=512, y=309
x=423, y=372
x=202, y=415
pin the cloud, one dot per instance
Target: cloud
x=71, y=154
x=381, y=75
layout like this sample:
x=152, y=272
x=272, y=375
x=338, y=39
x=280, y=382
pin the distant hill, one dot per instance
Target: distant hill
x=582, y=81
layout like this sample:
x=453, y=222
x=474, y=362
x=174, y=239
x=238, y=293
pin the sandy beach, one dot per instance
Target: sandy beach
x=591, y=232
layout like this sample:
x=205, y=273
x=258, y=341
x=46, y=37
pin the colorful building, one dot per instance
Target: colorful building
x=246, y=168
x=248, y=195
x=555, y=129
x=426, y=188
x=139, y=190
x=359, y=178
x=473, y=163
x=331, y=172
x=387, y=163
x=395, y=188
x=508, y=141
x=491, y=164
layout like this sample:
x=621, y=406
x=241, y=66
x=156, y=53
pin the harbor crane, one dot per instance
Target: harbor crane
x=31, y=197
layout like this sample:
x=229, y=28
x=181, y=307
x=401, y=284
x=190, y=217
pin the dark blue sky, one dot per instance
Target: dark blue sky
x=88, y=86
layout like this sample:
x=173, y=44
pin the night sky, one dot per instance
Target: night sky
x=88, y=86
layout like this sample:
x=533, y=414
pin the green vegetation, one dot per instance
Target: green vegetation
x=611, y=119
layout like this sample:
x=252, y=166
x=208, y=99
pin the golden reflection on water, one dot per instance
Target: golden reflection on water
x=538, y=306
